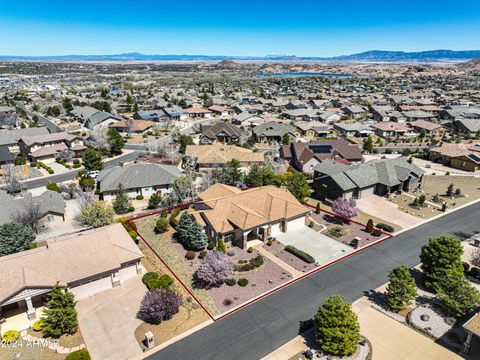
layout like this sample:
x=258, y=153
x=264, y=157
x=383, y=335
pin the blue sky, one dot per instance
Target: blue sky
x=229, y=27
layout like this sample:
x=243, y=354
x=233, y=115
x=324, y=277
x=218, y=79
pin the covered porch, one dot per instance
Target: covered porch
x=22, y=310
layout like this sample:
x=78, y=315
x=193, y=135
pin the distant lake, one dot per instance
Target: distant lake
x=300, y=74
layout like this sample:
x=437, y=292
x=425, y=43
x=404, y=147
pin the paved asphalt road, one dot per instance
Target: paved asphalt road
x=260, y=328
x=35, y=183
x=41, y=119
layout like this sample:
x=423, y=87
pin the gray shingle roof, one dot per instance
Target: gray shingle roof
x=49, y=201
x=137, y=176
x=273, y=129
x=8, y=137
x=389, y=172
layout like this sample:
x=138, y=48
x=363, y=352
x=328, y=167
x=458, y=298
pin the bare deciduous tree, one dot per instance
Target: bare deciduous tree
x=71, y=189
x=12, y=179
x=65, y=155
x=84, y=199
x=172, y=153
x=30, y=213
x=99, y=137
x=475, y=257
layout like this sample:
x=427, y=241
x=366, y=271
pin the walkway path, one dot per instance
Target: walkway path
x=279, y=262
x=52, y=344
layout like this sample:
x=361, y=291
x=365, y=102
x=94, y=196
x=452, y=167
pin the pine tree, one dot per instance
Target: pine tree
x=191, y=234
x=336, y=327
x=121, y=203
x=115, y=140
x=317, y=208
x=401, y=289
x=154, y=200
x=370, y=226
x=92, y=160
x=221, y=245
x=441, y=257
x=450, y=190
x=254, y=176
x=59, y=316
x=458, y=296
x=297, y=184
x=368, y=145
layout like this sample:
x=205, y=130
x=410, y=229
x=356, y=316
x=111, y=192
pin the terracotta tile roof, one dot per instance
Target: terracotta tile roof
x=220, y=154
x=473, y=325
x=137, y=125
x=67, y=260
x=196, y=110
x=454, y=149
x=391, y=126
x=230, y=208
x=427, y=125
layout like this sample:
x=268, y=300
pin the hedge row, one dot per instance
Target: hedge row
x=385, y=227
x=46, y=167
x=300, y=254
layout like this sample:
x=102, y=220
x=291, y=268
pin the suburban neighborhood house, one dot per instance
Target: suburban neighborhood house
x=274, y=132
x=51, y=206
x=222, y=132
x=216, y=155
x=333, y=179
x=91, y=117
x=254, y=214
x=304, y=156
x=460, y=156
x=137, y=179
x=45, y=147
x=86, y=263
x=137, y=127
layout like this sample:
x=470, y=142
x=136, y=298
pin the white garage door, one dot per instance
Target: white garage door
x=367, y=191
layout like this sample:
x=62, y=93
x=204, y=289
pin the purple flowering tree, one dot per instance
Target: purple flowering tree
x=159, y=305
x=214, y=270
x=347, y=208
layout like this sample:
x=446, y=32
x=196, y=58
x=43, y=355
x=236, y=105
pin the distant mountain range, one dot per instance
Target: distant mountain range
x=368, y=56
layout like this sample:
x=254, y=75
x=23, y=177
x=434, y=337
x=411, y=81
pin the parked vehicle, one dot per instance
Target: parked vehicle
x=93, y=174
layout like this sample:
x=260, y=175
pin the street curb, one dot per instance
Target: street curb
x=269, y=292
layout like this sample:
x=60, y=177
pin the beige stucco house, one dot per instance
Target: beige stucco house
x=254, y=214
x=86, y=263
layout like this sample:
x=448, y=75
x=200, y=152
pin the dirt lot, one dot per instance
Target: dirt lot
x=469, y=186
x=404, y=203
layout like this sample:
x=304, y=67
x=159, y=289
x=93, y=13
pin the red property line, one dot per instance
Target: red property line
x=160, y=258
x=288, y=283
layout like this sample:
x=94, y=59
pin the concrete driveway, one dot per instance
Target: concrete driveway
x=320, y=246
x=384, y=209
x=392, y=340
x=108, y=321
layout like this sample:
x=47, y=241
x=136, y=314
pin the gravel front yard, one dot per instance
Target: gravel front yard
x=352, y=229
x=469, y=186
x=404, y=203
x=260, y=280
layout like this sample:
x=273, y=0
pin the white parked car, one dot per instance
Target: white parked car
x=93, y=174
